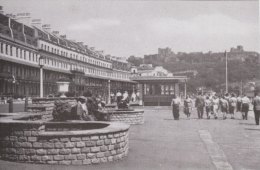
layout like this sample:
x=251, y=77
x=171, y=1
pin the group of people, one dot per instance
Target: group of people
x=213, y=105
x=88, y=108
x=117, y=97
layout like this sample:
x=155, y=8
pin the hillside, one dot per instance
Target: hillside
x=242, y=67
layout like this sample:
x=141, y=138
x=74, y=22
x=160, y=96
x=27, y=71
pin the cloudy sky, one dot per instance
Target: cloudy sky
x=124, y=28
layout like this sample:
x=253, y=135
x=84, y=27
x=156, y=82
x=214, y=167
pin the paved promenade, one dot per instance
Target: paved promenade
x=163, y=143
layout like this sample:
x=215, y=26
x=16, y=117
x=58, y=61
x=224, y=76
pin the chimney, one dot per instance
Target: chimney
x=46, y=27
x=12, y=16
x=55, y=33
x=37, y=23
x=72, y=40
x=108, y=56
x=80, y=43
x=24, y=18
x=1, y=10
x=63, y=36
x=101, y=52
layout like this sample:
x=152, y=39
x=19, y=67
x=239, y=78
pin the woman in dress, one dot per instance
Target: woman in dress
x=232, y=105
x=245, y=107
x=215, y=105
x=187, y=106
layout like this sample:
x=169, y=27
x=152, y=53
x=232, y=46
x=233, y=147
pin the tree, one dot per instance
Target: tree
x=136, y=61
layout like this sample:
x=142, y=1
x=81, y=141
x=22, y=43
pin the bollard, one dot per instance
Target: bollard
x=11, y=105
x=26, y=104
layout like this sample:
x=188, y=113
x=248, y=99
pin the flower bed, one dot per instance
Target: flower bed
x=24, y=138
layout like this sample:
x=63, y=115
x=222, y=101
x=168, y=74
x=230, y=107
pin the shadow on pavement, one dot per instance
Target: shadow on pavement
x=245, y=123
x=257, y=129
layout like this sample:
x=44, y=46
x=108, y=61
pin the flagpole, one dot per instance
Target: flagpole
x=226, y=73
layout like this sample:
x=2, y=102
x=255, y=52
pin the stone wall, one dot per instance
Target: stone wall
x=129, y=117
x=31, y=142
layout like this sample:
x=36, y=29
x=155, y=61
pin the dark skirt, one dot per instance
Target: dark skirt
x=208, y=109
x=232, y=109
x=239, y=106
x=224, y=109
x=245, y=107
x=175, y=111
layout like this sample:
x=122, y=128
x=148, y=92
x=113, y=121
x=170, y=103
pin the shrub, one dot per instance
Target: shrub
x=62, y=111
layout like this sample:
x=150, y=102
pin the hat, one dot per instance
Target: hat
x=82, y=98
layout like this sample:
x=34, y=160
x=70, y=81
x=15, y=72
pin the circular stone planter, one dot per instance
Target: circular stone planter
x=69, y=143
x=129, y=116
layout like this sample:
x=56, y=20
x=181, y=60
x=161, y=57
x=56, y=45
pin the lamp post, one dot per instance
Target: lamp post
x=185, y=88
x=41, y=64
x=226, y=72
x=109, y=92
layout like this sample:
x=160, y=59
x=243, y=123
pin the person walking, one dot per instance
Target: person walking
x=239, y=103
x=118, y=97
x=208, y=106
x=187, y=106
x=224, y=107
x=125, y=96
x=215, y=104
x=256, y=104
x=245, y=107
x=232, y=105
x=200, y=103
x=133, y=97
x=175, y=107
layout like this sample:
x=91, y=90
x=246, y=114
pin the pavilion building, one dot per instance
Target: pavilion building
x=156, y=85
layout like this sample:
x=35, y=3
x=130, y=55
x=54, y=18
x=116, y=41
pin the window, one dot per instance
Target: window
x=29, y=56
x=6, y=49
x=24, y=55
x=2, y=48
x=11, y=51
x=21, y=53
x=17, y=52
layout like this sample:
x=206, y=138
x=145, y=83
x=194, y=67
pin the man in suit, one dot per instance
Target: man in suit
x=256, y=103
x=200, y=103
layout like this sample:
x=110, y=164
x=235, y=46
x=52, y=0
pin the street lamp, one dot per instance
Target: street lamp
x=41, y=64
x=109, y=92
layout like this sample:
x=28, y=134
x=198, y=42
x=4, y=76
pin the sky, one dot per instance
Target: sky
x=125, y=28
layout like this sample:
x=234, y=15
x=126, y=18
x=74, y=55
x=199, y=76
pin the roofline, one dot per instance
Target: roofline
x=154, y=78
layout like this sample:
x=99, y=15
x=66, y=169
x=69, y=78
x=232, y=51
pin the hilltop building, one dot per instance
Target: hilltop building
x=164, y=55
